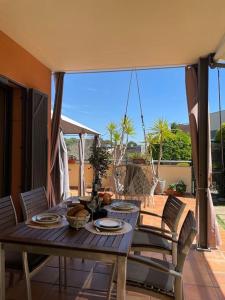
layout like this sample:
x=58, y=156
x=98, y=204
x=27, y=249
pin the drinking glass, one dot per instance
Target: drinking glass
x=92, y=205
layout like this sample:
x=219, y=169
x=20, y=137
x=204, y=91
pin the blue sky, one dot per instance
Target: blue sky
x=95, y=99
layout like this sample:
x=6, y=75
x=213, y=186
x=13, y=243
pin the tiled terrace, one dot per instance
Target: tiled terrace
x=204, y=275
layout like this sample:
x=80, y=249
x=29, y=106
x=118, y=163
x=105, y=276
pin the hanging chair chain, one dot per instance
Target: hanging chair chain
x=140, y=105
x=141, y=110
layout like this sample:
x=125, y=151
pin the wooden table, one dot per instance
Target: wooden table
x=69, y=242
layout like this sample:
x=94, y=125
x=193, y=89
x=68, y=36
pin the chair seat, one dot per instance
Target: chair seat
x=142, y=276
x=13, y=260
x=150, y=240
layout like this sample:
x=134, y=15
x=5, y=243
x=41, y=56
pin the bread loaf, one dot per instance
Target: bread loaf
x=73, y=211
x=82, y=213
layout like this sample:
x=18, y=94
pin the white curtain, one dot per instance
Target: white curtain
x=81, y=172
x=64, y=171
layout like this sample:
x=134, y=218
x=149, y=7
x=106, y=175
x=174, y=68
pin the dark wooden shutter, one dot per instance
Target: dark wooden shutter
x=36, y=140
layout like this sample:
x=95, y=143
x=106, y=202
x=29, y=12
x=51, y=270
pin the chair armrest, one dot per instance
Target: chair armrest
x=154, y=228
x=152, y=264
x=150, y=214
x=164, y=236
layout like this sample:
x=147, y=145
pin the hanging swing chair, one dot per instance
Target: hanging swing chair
x=133, y=181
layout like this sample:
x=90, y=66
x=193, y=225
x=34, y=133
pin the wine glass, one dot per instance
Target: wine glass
x=92, y=205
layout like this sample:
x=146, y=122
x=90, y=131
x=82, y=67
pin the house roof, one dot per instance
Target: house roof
x=84, y=35
x=70, y=126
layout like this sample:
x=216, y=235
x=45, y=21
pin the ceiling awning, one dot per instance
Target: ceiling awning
x=220, y=51
x=70, y=126
x=81, y=36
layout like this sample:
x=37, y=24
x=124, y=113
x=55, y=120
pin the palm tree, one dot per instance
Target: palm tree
x=116, y=137
x=159, y=132
x=127, y=128
x=111, y=129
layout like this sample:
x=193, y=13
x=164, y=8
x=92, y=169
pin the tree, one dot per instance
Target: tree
x=159, y=132
x=119, y=140
x=111, y=129
x=174, y=127
x=131, y=144
x=100, y=161
x=218, y=134
x=177, y=146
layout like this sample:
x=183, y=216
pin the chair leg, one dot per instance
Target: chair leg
x=11, y=279
x=174, y=254
x=27, y=275
x=60, y=275
x=65, y=272
x=179, y=295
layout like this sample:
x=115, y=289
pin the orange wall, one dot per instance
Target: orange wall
x=19, y=65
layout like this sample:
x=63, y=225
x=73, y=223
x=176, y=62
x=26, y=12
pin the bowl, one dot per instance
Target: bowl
x=85, y=199
x=77, y=222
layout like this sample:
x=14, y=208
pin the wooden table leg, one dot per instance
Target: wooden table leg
x=2, y=272
x=121, y=277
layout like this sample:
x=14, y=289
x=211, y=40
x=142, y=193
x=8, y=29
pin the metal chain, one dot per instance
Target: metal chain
x=141, y=110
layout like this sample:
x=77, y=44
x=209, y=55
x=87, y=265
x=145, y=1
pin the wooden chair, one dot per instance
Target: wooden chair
x=34, y=202
x=16, y=262
x=160, y=239
x=159, y=278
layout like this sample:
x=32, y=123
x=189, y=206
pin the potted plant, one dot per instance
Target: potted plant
x=159, y=132
x=137, y=158
x=100, y=161
x=72, y=159
x=176, y=189
x=171, y=190
x=180, y=188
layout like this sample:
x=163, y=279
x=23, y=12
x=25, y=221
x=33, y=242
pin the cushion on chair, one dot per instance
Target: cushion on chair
x=144, y=277
x=151, y=240
x=13, y=260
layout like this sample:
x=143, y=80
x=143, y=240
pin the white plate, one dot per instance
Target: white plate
x=109, y=224
x=122, y=206
x=46, y=218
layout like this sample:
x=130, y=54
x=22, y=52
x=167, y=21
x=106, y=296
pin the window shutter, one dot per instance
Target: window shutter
x=36, y=136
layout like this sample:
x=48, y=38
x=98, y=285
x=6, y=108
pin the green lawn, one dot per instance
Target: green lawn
x=220, y=221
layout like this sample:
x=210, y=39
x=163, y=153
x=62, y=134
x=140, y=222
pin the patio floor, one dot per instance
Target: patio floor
x=204, y=274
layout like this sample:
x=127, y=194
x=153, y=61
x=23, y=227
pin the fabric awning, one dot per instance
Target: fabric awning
x=70, y=126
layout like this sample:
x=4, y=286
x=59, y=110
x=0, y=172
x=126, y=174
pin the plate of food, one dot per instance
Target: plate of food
x=46, y=218
x=122, y=205
x=109, y=224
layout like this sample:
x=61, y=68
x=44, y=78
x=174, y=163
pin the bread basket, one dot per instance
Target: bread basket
x=77, y=221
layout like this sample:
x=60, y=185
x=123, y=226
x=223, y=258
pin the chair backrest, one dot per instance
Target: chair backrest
x=172, y=212
x=7, y=213
x=33, y=202
x=185, y=240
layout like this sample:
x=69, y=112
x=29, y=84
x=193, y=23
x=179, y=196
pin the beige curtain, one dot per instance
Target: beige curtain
x=213, y=237
x=54, y=194
x=64, y=169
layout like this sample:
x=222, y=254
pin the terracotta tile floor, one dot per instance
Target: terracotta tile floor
x=204, y=274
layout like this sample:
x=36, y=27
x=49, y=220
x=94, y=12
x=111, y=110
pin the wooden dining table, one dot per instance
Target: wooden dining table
x=69, y=242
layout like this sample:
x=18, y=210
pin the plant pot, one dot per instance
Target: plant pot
x=71, y=161
x=139, y=161
x=174, y=193
x=160, y=188
x=171, y=192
